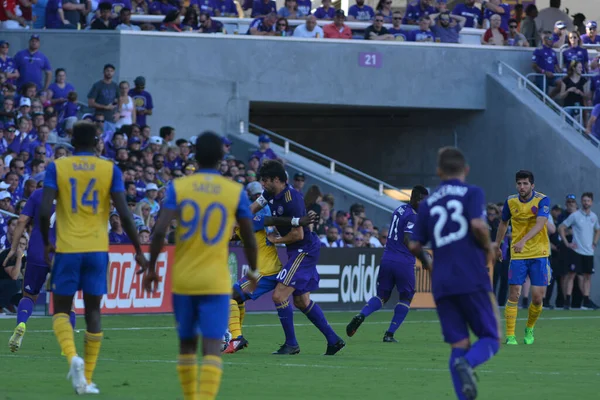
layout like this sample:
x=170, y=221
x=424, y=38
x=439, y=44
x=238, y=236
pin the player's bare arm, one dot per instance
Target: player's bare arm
x=258, y=204
x=295, y=235
x=594, y=243
x=540, y=222
x=21, y=225
x=481, y=231
x=48, y=197
x=551, y=227
x=120, y=204
x=165, y=217
x=418, y=251
x=250, y=249
x=310, y=218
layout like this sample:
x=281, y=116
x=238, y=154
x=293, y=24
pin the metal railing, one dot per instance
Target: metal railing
x=8, y=214
x=580, y=114
x=333, y=165
x=557, y=75
x=524, y=83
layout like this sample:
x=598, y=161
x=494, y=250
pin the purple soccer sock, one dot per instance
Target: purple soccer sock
x=400, y=312
x=456, y=353
x=374, y=304
x=24, y=310
x=481, y=351
x=286, y=317
x=72, y=318
x=314, y=313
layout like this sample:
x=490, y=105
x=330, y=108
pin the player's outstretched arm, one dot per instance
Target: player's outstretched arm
x=310, y=218
x=48, y=197
x=418, y=251
x=295, y=235
x=249, y=241
x=21, y=225
x=258, y=204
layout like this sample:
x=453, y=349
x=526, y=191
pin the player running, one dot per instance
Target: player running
x=397, y=268
x=269, y=263
x=206, y=206
x=528, y=212
x=82, y=186
x=299, y=275
x=453, y=220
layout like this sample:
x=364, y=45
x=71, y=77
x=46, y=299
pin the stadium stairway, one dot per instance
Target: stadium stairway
x=347, y=184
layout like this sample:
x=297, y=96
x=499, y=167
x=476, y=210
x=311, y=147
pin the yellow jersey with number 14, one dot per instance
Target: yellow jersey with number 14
x=207, y=206
x=523, y=216
x=83, y=183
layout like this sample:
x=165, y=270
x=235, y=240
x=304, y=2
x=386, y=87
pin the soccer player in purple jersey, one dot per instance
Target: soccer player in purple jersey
x=453, y=220
x=37, y=268
x=299, y=276
x=397, y=268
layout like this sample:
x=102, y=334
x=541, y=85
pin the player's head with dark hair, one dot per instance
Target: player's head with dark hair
x=588, y=194
x=209, y=150
x=84, y=136
x=586, y=200
x=524, y=174
x=525, y=183
x=451, y=163
x=273, y=176
x=419, y=192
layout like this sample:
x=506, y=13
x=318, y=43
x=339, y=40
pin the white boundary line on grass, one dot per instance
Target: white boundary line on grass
x=324, y=366
x=160, y=328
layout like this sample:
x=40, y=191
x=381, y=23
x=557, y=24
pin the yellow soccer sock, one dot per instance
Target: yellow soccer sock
x=242, y=308
x=234, y=319
x=534, y=313
x=64, y=334
x=92, y=343
x=187, y=368
x=210, y=377
x=510, y=314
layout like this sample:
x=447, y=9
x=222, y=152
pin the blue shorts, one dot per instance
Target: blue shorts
x=477, y=310
x=207, y=315
x=72, y=272
x=538, y=269
x=265, y=285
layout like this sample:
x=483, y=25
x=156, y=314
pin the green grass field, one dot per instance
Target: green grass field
x=138, y=356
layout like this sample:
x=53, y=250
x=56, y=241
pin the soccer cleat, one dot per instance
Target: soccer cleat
x=77, y=376
x=467, y=378
x=236, y=345
x=91, y=389
x=511, y=340
x=589, y=305
x=286, y=349
x=334, y=348
x=528, y=339
x=389, y=338
x=17, y=337
x=354, y=324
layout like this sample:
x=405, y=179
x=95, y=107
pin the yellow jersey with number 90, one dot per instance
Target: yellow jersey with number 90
x=83, y=183
x=207, y=206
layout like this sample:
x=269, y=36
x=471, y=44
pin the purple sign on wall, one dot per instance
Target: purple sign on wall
x=370, y=60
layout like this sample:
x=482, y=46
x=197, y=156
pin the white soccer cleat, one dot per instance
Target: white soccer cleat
x=15, y=340
x=92, y=389
x=77, y=376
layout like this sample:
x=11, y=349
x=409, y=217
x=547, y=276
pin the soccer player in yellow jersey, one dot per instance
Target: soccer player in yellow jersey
x=269, y=262
x=206, y=206
x=528, y=212
x=82, y=186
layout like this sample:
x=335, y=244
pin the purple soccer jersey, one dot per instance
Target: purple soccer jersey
x=9, y=66
x=300, y=272
x=31, y=67
x=142, y=101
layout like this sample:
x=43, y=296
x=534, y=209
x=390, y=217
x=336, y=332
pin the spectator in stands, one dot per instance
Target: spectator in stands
x=396, y=29
x=348, y=237
x=8, y=64
x=448, y=27
x=117, y=235
x=209, y=25
x=11, y=274
x=332, y=238
x=290, y=10
x=225, y=8
x=359, y=240
x=384, y=8
x=518, y=15
x=143, y=211
x=383, y=235
x=264, y=151
x=557, y=270
x=514, y=37
x=11, y=16
x=161, y=7
x=203, y=6
x=33, y=65
x=171, y=22
x=593, y=125
x=326, y=11
x=55, y=16
x=310, y=29
x=144, y=235
x=263, y=26
x=125, y=106
x=576, y=52
x=574, y=88
x=377, y=31
x=591, y=37
x=579, y=23
x=361, y=12
x=167, y=134
x=142, y=100
x=473, y=15
x=74, y=11
x=559, y=36
x=496, y=7
x=337, y=29
x=312, y=198
x=125, y=21
x=548, y=16
x=423, y=34
x=262, y=8
x=416, y=10
x=298, y=183
x=282, y=27
x=6, y=197
x=305, y=6
x=103, y=96
x=59, y=90
x=102, y=22
x=148, y=178
x=190, y=20
x=495, y=36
